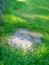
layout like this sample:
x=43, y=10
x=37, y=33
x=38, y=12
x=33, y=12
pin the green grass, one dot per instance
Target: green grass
x=13, y=56
x=30, y=14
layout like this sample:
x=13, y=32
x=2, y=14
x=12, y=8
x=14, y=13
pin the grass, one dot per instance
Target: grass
x=12, y=56
x=30, y=14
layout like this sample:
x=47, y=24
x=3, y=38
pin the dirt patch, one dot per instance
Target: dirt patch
x=24, y=38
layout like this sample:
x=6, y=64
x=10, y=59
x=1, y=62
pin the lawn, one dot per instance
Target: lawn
x=32, y=15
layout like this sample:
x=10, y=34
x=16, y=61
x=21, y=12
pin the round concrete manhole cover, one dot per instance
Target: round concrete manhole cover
x=24, y=38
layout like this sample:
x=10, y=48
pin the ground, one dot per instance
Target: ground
x=32, y=15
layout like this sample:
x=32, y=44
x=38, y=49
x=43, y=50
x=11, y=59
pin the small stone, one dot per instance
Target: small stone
x=24, y=38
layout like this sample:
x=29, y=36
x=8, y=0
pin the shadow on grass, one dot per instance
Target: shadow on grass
x=13, y=5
